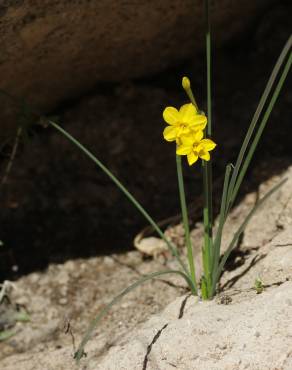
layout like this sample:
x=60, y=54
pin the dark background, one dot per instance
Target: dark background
x=57, y=205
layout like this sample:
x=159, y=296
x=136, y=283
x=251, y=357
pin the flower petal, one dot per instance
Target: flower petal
x=208, y=144
x=192, y=158
x=198, y=122
x=198, y=136
x=196, y=128
x=187, y=112
x=182, y=130
x=187, y=140
x=171, y=115
x=203, y=154
x=169, y=133
x=183, y=149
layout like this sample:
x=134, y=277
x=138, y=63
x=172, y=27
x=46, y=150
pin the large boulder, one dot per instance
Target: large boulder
x=52, y=51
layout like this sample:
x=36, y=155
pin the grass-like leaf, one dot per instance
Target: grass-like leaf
x=238, y=174
x=170, y=246
x=218, y=238
x=7, y=334
x=262, y=125
x=242, y=227
x=80, y=351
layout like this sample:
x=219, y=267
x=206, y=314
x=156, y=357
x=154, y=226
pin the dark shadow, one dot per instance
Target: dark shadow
x=57, y=206
x=229, y=284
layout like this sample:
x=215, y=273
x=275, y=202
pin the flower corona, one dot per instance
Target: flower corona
x=183, y=122
x=186, y=128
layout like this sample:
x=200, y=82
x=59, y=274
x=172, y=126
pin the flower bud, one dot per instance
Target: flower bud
x=186, y=84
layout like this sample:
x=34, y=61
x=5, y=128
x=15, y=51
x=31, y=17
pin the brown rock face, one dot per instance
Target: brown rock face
x=52, y=50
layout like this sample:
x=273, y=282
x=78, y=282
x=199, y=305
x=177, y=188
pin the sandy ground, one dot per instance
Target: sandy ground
x=240, y=329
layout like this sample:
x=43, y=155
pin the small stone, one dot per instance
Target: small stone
x=108, y=261
x=34, y=278
x=69, y=266
x=63, y=277
x=63, y=301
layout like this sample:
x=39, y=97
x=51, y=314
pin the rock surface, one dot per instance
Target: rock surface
x=253, y=331
x=52, y=51
x=238, y=330
x=252, y=334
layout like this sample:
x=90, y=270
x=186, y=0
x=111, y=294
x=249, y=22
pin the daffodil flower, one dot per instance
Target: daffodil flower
x=182, y=122
x=195, y=147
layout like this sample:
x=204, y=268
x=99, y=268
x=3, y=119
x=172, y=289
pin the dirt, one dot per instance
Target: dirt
x=62, y=300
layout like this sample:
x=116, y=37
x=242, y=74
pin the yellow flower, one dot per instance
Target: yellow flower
x=195, y=147
x=182, y=122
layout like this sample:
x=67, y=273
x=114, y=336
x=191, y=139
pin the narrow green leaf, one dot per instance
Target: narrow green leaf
x=222, y=219
x=22, y=316
x=231, y=191
x=80, y=351
x=262, y=125
x=21, y=103
x=243, y=226
x=6, y=334
x=131, y=198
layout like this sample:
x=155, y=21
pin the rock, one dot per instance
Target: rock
x=55, y=51
x=254, y=334
x=151, y=246
x=241, y=329
x=29, y=336
x=205, y=337
x=266, y=224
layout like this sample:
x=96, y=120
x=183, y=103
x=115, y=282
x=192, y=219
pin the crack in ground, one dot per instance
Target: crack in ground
x=277, y=283
x=157, y=335
x=182, y=307
x=149, y=347
x=283, y=245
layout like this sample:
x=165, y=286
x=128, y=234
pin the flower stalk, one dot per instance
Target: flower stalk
x=188, y=128
x=207, y=171
x=185, y=220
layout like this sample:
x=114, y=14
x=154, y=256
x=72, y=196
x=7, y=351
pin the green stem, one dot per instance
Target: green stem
x=185, y=218
x=192, y=98
x=208, y=58
x=124, y=190
x=207, y=169
x=207, y=249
